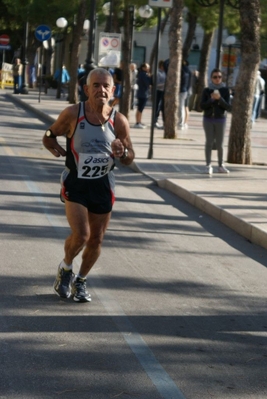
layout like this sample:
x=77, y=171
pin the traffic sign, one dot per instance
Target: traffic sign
x=4, y=47
x=42, y=33
x=109, y=54
x=4, y=40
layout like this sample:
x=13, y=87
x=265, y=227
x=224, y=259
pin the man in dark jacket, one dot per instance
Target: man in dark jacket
x=144, y=82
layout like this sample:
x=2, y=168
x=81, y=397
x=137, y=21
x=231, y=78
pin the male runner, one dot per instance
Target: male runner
x=96, y=134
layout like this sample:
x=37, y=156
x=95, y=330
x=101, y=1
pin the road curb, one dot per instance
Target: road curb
x=47, y=118
x=247, y=230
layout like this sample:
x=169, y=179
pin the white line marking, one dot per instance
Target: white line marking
x=160, y=378
x=177, y=168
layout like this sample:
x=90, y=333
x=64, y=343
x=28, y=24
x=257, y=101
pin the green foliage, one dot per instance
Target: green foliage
x=15, y=12
x=208, y=17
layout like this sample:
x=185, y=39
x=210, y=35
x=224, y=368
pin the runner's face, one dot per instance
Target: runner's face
x=101, y=88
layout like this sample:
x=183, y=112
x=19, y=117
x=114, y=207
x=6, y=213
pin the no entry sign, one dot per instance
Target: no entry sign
x=4, y=40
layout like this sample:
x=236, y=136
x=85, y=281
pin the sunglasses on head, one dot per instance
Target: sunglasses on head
x=216, y=76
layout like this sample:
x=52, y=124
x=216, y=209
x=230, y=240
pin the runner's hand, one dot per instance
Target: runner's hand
x=53, y=146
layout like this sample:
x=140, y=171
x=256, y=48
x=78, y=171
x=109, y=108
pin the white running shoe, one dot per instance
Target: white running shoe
x=139, y=126
x=209, y=170
x=222, y=169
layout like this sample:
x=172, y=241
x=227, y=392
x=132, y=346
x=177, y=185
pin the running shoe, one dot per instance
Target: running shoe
x=62, y=283
x=222, y=169
x=139, y=126
x=78, y=290
x=209, y=170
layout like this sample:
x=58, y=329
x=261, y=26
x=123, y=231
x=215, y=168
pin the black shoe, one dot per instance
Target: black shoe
x=78, y=290
x=62, y=283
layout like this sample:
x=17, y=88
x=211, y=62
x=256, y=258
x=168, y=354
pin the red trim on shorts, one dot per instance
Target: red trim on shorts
x=113, y=198
x=63, y=192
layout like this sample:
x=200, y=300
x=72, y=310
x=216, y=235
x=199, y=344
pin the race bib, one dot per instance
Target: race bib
x=94, y=166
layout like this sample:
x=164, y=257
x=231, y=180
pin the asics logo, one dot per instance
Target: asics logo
x=96, y=160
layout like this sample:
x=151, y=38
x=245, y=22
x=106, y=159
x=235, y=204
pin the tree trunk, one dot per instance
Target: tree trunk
x=239, y=147
x=171, y=96
x=190, y=34
x=154, y=48
x=203, y=66
x=126, y=51
x=74, y=55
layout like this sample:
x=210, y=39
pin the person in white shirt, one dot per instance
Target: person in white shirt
x=258, y=93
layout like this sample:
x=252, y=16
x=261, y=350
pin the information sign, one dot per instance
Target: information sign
x=42, y=33
x=109, y=49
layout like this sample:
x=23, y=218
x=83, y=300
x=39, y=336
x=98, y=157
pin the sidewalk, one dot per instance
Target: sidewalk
x=238, y=200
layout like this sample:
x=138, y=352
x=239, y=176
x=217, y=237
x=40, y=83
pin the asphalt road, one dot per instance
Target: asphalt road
x=178, y=305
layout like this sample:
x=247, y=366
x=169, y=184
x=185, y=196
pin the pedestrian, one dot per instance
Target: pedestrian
x=159, y=105
x=144, y=82
x=192, y=104
x=17, y=75
x=81, y=80
x=258, y=95
x=185, y=84
x=65, y=78
x=117, y=77
x=134, y=86
x=215, y=103
x=96, y=134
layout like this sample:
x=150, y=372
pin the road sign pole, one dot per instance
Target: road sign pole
x=24, y=89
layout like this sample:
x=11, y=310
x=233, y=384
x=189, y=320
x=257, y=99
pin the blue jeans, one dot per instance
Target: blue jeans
x=17, y=84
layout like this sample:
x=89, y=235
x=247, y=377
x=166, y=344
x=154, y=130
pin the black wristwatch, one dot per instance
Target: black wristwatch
x=125, y=154
x=50, y=134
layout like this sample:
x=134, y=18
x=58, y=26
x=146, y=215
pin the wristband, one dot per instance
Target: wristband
x=50, y=134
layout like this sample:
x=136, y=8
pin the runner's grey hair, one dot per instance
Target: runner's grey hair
x=99, y=71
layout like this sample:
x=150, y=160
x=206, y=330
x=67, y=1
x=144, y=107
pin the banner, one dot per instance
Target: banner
x=7, y=67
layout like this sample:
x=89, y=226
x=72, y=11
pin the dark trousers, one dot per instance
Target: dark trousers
x=159, y=104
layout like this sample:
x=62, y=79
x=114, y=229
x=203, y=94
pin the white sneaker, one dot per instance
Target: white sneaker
x=139, y=126
x=222, y=169
x=209, y=170
x=157, y=125
x=186, y=126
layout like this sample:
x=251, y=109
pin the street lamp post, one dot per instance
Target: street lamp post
x=154, y=88
x=108, y=11
x=222, y=3
x=62, y=23
x=230, y=41
x=90, y=61
x=24, y=89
